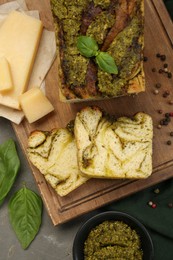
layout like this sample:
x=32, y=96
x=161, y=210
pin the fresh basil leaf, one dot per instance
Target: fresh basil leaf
x=106, y=63
x=25, y=210
x=87, y=46
x=9, y=166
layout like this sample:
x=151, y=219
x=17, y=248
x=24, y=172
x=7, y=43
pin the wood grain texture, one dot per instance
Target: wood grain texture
x=96, y=193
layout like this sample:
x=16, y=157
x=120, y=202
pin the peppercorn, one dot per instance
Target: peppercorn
x=160, y=111
x=154, y=205
x=158, y=85
x=169, y=142
x=156, y=91
x=167, y=119
x=163, y=57
x=160, y=71
x=171, y=133
x=167, y=115
x=158, y=55
x=156, y=190
x=159, y=126
x=165, y=65
x=145, y=58
x=153, y=69
x=150, y=203
x=169, y=75
x=170, y=205
x=165, y=94
x=171, y=114
x=165, y=122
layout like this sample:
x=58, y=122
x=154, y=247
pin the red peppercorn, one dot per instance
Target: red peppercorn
x=171, y=114
x=154, y=205
x=170, y=205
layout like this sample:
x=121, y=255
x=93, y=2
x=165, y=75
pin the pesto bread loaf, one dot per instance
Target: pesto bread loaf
x=54, y=153
x=118, y=29
x=109, y=148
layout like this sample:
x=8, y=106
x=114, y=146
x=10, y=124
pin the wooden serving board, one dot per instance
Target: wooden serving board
x=96, y=193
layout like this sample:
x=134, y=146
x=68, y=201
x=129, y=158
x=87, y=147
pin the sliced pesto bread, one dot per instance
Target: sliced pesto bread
x=109, y=148
x=54, y=153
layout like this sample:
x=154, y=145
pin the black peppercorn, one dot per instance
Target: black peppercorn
x=163, y=57
x=165, y=65
x=153, y=69
x=169, y=142
x=165, y=122
x=158, y=85
x=145, y=58
x=171, y=133
x=164, y=95
x=167, y=119
x=167, y=115
x=169, y=75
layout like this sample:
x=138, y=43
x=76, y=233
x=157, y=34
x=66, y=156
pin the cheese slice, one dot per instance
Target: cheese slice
x=6, y=82
x=35, y=104
x=19, y=40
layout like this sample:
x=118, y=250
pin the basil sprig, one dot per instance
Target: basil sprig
x=25, y=210
x=88, y=47
x=106, y=63
x=9, y=167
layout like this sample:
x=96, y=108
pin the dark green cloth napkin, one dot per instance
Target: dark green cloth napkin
x=169, y=6
x=158, y=221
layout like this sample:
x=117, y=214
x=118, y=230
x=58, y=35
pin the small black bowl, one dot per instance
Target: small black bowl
x=82, y=234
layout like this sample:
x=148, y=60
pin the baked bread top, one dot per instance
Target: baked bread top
x=118, y=28
x=109, y=148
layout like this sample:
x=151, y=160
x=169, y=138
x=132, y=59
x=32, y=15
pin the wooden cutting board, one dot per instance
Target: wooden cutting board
x=96, y=193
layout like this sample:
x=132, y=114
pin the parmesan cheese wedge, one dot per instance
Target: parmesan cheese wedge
x=19, y=40
x=6, y=82
x=35, y=104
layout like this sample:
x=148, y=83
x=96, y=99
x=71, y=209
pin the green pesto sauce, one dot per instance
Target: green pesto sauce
x=102, y=3
x=112, y=240
x=126, y=51
x=99, y=27
x=69, y=13
x=75, y=72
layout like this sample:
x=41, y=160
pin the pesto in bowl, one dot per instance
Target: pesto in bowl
x=111, y=231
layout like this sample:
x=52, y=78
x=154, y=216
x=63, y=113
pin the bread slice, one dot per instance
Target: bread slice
x=54, y=153
x=109, y=148
x=118, y=28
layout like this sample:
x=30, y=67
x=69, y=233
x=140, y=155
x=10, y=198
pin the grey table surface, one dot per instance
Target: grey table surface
x=51, y=242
